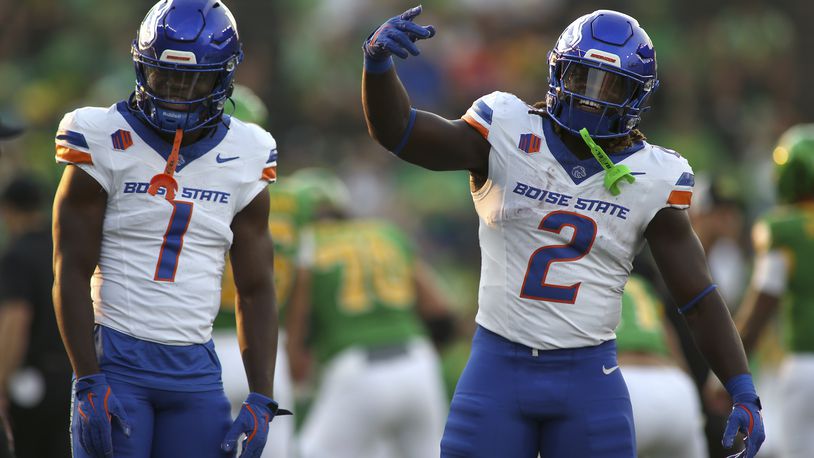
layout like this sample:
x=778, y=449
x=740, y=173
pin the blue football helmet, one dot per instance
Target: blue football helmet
x=186, y=53
x=602, y=70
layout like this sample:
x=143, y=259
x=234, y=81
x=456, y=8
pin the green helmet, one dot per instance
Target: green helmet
x=248, y=106
x=323, y=188
x=794, y=164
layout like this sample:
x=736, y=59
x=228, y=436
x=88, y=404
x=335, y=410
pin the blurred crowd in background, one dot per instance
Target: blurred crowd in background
x=734, y=75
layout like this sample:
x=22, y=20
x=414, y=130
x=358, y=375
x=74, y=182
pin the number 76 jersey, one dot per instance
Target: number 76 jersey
x=556, y=245
x=159, y=272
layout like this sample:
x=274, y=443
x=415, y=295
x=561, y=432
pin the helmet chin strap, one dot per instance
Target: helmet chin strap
x=165, y=180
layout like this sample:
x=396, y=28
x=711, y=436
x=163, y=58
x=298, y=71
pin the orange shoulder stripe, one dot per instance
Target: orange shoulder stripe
x=680, y=198
x=73, y=156
x=475, y=124
x=270, y=173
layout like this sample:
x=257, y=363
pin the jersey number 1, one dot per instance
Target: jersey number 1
x=173, y=241
x=582, y=239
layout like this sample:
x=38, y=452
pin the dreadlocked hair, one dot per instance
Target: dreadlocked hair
x=613, y=145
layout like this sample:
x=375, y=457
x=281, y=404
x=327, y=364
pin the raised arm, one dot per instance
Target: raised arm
x=683, y=266
x=79, y=210
x=419, y=137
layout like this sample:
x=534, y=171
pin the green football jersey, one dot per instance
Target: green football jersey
x=289, y=212
x=363, y=289
x=641, y=328
x=790, y=229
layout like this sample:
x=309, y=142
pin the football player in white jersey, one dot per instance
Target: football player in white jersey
x=139, y=254
x=567, y=192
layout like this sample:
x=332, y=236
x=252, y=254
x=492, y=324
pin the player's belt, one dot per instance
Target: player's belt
x=386, y=352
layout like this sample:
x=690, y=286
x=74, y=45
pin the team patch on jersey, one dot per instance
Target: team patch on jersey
x=121, y=139
x=530, y=143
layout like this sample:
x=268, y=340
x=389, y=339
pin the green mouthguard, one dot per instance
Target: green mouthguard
x=613, y=173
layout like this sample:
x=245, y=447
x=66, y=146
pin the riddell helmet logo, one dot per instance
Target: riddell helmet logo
x=603, y=57
x=178, y=57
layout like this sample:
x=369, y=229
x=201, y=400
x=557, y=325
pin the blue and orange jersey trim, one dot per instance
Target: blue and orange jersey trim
x=479, y=116
x=72, y=156
x=73, y=138
x=69, y=146
x=483, y=110
x=270, y=173
x=476, y=125
x=680, y=198
x=686, y=179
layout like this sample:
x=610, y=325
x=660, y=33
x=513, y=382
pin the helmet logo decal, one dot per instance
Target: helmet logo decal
x=147, y=32
x=572, y=35
x=184, y=57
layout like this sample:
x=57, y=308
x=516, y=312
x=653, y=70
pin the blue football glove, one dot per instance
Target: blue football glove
x=396, y=36
x=253, y=422
x=745, y=417
x=96, y=407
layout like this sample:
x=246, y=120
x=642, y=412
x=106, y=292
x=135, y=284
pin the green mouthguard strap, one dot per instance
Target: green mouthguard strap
x=613, y=172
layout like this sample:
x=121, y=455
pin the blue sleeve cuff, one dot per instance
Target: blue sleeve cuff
x=692, y=303
x=406, y=135
x=257, y=398
x=741, y=388
x=378, y=66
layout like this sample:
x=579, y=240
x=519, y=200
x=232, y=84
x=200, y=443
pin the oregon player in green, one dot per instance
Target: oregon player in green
x=783, y=280
x=357, y=311
x=651, y=364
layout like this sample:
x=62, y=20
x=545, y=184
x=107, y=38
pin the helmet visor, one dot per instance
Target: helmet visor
x=596, y=84
x=179, y=86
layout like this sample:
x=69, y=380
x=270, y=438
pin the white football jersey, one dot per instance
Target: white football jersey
x=160, y=268
x=556, y=245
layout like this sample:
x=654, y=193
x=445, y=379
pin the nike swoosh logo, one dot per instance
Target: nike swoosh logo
x=221, y=160
x=609, y=370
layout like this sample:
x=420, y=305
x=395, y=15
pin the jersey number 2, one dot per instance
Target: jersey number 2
x=582, y=239
x=173, y=241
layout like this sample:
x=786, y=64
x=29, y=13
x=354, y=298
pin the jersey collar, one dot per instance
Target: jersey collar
x=577, y=169
x=187, y=153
